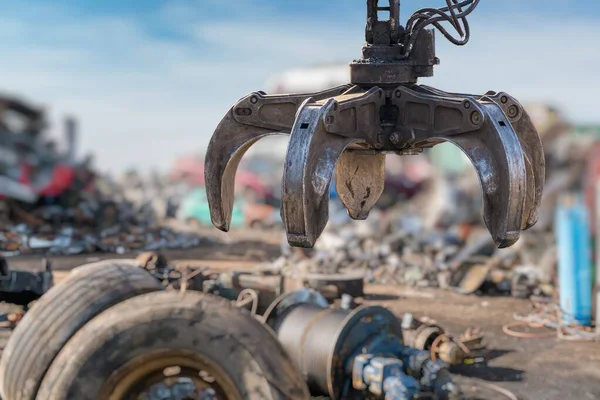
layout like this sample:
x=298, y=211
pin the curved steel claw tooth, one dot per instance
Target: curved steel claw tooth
x=311, y=159
x=531, y=144
x=225, y=150
x=497, y=156
x=532, y=150
x=360, y=180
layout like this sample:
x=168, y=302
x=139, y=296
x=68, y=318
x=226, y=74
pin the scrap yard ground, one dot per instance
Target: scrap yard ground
x=532, y=369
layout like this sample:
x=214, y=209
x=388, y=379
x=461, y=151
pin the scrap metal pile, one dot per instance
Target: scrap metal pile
x=52, y=202
x=316, y=314
x=342, y=349
x=90, y=226
x=27, y=159
x=402, y=252
x=84, y=213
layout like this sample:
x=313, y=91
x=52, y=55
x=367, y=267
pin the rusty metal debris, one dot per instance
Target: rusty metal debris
x=423, y=334
x=345, y=351
x=53, y=202
x=23, y=287
x=251, y=289
x=21, y=140
x=361, y=350
x=90, y=225
x=348, y=131
x=399, y=249
x=548, y=317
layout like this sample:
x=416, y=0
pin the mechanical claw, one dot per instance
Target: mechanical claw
x=250, y=119
x=535, y=162
x=228, y=145
x=309, y=166
x=349, y=130
x=497, y=157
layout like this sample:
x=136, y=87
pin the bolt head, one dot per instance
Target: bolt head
x=513, y=111
x=330, y=119
x=467, y=104
x=395, y=138
x=398, y=93
x=475, y=117
x=253, y=99
x=504, y=99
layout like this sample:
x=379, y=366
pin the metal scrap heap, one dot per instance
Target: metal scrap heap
x=51, y=202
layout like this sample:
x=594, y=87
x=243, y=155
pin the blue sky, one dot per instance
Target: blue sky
x=150, y=79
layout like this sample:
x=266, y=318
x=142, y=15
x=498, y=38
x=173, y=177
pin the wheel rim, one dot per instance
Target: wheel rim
x=170, y=376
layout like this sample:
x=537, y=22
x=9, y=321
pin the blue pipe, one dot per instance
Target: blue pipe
x=575, y=269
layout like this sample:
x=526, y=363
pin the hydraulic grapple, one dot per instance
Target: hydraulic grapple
x=349, y=130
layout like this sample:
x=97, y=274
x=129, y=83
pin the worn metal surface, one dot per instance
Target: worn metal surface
x=347, y=131
x=531, y=144
x=323, y=341
x=427, y=335
x=354, y=354
x=250, y=119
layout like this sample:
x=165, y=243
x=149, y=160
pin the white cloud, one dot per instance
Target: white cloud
x=142, y=100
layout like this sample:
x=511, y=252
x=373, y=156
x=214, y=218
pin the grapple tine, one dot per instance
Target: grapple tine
x=496, y=154
x=531, y=144
x=227, y=146
x=532, y=149
x=310, y=163
x=360, y=180
x=253, y=117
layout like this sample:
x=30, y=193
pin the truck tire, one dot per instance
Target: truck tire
x=173, y=337
x=59, y=314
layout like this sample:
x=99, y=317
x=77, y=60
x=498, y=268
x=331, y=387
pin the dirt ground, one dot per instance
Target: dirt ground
x=533, y=369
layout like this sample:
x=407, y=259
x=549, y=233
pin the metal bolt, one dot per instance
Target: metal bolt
x=329, y=120
x=347, y=300
x=398, y=93
x=253, y=99
x=467, y=104
x=395, y=138
x=504, y=99
x=513, y=111
x=475, y=117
